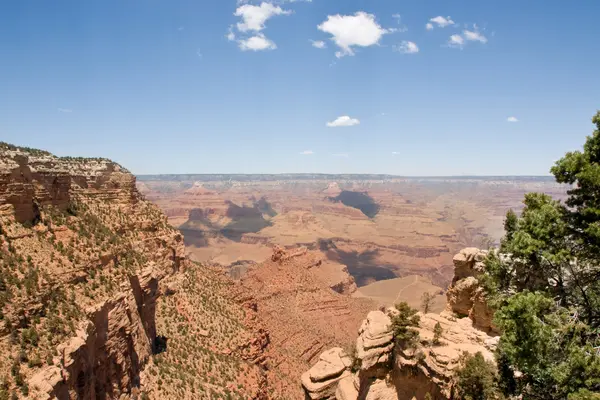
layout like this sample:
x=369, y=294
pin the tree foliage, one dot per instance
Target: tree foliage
x=403, y=324
x=437, y=333
x=476, y=379
x=545, y=284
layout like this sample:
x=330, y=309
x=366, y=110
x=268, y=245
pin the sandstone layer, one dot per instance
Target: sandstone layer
x=302, y=314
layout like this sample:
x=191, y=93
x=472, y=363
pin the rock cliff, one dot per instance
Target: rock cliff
x=302, y=313
x=378, y=368
x=82, y=258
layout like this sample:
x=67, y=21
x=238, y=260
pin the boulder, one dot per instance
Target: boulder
x=320, y=382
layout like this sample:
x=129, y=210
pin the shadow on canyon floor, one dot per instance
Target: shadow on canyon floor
x=362, y=266
x=359, y=200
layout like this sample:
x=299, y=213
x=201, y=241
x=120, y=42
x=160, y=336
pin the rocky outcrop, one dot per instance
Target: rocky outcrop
x=375, y=342
x=320, y=382
x=31, y=179
x=110, y=347
x=465, y=296
x=383, y=370
x=92, y=257
x=429, y=368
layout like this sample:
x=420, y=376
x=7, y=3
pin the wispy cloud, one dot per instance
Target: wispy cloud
x=344, y=120
x=349, y=31
x=319, y=44
x=459, y=41
x=456, y=41
x=65, y=110
x=230, y=34
x=395, y=153
x=257, y=43
x=512, y=119
x=440, y=21
x=307, y=152
x=474, y=36
x=406, y=47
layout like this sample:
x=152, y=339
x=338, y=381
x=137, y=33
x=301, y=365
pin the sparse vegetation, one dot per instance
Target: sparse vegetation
x=426, y=302
x=70, y=257
x=437, y=333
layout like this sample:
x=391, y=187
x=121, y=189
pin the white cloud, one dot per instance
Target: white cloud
x=429, y=26
x=347, y=31
x=253, y=20
x=343, y=121
x=395, y=153
x=440, y=22
x=319, y=44
x=254, y=17
x=474, y=36
x=256, y=43
x=307, y=152
x=512, y=119
x=456, y=41
x=406, y=47
x=230, y=34
x=65, y=110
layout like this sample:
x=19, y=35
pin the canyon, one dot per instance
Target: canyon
x=380, y=227
x=235, y=289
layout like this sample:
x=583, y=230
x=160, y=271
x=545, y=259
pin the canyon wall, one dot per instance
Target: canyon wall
x=82, y=258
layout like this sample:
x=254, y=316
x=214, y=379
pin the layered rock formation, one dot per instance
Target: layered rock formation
x=465, y=296
x=322, y=379
x=381, y=369
x=97, y=299
x=303, y=316
x=82, y=261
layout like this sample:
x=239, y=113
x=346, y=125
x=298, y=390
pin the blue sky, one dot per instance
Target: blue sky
x=211, y=86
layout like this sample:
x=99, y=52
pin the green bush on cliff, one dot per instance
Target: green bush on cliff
x=476, y=379
x=546, y=286
x=403, y=325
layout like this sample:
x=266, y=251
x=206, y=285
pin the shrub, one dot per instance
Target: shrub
x=426, y=302
x=403, y=325
x=476, y=379
x=437, y=333
x=352, y=353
